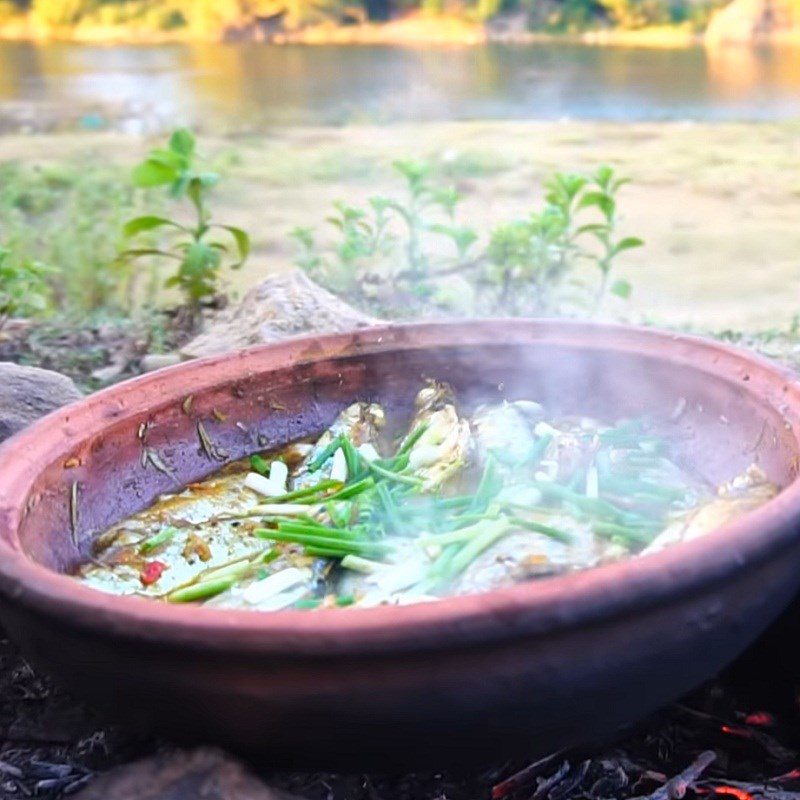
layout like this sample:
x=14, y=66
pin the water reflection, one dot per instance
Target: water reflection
x=246, y=84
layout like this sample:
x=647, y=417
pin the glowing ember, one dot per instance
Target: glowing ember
x=761, y=719
x=733, y=791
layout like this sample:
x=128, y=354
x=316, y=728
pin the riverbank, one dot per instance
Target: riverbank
x=411, y=30
x=717, y=204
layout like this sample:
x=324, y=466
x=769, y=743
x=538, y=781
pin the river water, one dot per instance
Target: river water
x=237, y=86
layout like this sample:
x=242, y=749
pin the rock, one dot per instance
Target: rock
x=283, y=305
x=202, y=774
x=154, y=361
x=27, y=393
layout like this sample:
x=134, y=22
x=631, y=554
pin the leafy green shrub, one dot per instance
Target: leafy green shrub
x=532, y=265
x=69, y=217
x=389, y=240
x=23, y=287
x=198, y=258
x=530, y=259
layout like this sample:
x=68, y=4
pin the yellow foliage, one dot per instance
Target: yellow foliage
x=57, y=13
x=210, y=16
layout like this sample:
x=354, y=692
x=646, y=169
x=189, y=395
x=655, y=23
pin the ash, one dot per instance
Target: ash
x=736, y=738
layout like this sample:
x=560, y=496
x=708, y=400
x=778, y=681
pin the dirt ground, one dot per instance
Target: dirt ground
x=718, y=204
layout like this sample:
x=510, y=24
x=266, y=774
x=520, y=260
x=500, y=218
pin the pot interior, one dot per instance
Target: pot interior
x=723, y=412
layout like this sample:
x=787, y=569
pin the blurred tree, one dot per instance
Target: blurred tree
x=60, y=12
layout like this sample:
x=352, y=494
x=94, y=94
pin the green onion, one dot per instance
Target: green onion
x=200, y=591
x=314, y=528
x=259, y=464
x=453, y=537
x=344, y=600
x=352, y=458
x=233, y=569
x=308, y=603
x=492, y=531
x=628, y=534
x=538, y=527
x=390, y=509
x=489, y=487
x=393, y=476
x=412, y=439
x=330, y=543
x=154, y=542
x=441, y=566
x=340, y=513
x=632, y=486
x=308, y=492
x=362, y=565
x=589, y=505
x=352, y=489
x=322, y=552
x=537, y=450
x=325, y=454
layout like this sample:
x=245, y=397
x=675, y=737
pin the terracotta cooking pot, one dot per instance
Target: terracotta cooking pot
x=538, y=666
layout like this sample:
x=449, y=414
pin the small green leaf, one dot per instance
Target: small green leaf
x=604, y=176
x=153, y=173
x=195, y=191
x=593, y=227
x=147, y=223
x=242, y=242
x=601, y=200
x=169, y=158
x=622, y=288
x=182, y=141
x=628, y=243
x=147, y=251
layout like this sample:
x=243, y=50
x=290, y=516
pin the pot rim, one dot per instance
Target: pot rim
x=526, y=609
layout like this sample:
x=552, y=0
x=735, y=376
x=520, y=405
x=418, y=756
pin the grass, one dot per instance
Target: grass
x=716, y=203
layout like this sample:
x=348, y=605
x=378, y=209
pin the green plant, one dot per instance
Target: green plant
x=389, y=240
x=23, y=287
x=529, y=260
x=602, y=195
x=424, y=198
x=70, y=215
x=529, y=265
x=199, y=258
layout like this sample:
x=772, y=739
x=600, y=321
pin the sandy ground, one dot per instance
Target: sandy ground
x=718, y=205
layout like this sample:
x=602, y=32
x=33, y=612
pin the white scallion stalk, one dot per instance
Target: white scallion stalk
x=339, y=466
x=362, y=565
x=278, y=475
x=592, y=482
x=282, y=510
x=396, y=579
x=545, y=429
x=275, y=584
x=368, y=451
x=283, y=600
x=261, y=485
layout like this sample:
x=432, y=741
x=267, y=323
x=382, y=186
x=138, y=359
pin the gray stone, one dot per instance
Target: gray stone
x=201, y=774
x=283, y=305
x=27, y=393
